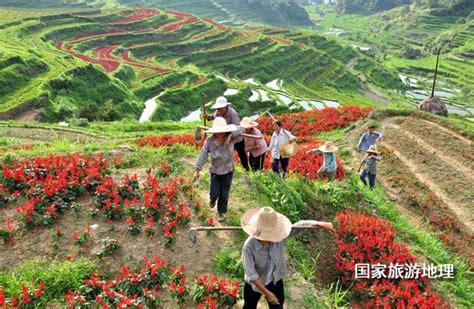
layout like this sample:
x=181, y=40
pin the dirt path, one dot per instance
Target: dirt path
x=367, y=93
x=36, y=135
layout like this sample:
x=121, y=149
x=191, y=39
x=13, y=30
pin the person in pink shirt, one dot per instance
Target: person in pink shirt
x=257, y=148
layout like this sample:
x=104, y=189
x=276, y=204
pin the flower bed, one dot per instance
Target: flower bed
x=311, y=122
x=138, y=289
x=167, y=140
x=51, y=185
x=362, y=239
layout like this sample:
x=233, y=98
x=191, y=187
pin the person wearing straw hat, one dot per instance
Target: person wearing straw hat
x=330, y=164
x=370, y=160
x=280, y=138
x=257, y=148
x=231, y=117
x=263, y=254
x=368, y=139
x=220, y=145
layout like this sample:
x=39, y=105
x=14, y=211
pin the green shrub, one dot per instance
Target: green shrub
x=59, y=277
x=229, y=262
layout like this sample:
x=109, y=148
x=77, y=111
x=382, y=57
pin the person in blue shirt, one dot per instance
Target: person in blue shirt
x=330, y=165
x=368, y=139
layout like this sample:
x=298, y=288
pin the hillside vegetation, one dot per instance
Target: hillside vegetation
x=283, y=13
x=406, y=39
x=437, y=7
x=135, y=55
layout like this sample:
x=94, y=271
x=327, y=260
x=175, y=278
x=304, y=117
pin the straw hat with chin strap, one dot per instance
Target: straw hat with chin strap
x=327, y=147
x=248, y=123
x=220, y=103
x=220, y=126
x=266, y=224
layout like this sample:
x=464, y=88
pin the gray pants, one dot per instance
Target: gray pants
x=322, y=170
x=220, y=189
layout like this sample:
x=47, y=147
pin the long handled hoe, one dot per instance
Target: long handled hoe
x=193, y=231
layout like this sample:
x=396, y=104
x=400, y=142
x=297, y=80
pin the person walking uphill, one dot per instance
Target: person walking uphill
x=257, y=148
x=370, y=170
x=330, y=164
x=280, y=138
x=231, y=117
x=263, y=254
x=220, y=145
x=368, y=139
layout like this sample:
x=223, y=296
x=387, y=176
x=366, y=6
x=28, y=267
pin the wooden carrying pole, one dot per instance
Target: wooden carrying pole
x=203, y=107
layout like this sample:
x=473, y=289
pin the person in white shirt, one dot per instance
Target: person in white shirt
x=279, y=137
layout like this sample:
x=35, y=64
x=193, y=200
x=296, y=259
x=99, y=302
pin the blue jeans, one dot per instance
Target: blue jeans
x=284, y=165
x=364, y=174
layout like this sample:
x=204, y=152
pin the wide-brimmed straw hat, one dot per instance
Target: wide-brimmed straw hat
x=266, y=224
x=220, y=103
x=372, y=149
x=248, y=123
x=327, y=147
x=220, y=126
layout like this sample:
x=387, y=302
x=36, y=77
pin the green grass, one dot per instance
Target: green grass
x=58, y=276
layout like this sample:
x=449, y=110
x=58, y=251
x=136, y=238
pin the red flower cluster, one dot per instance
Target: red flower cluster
x=167, y=140
x=26, y=299
x=362, y=239
x=136, y=289
x=50, y=184
x=7, y=233
x=212, y=291
x=143, y=288
x=310, y=122
x=162, y=204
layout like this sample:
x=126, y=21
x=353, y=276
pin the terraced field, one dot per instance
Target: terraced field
x=386, y=36
x=140, y=53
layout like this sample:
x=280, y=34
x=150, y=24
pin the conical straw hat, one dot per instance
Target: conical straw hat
x=220, y=103
x=328, y=147
x=266, y=224
x=247, y=123
x=220, y=126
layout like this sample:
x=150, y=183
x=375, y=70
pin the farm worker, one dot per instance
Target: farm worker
x=263, y=254
x=280, y=137
x=330, y=164
x=231, y=117
x=368, y=139
x=257, y=148
x=370, y=170
x=220, y=145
